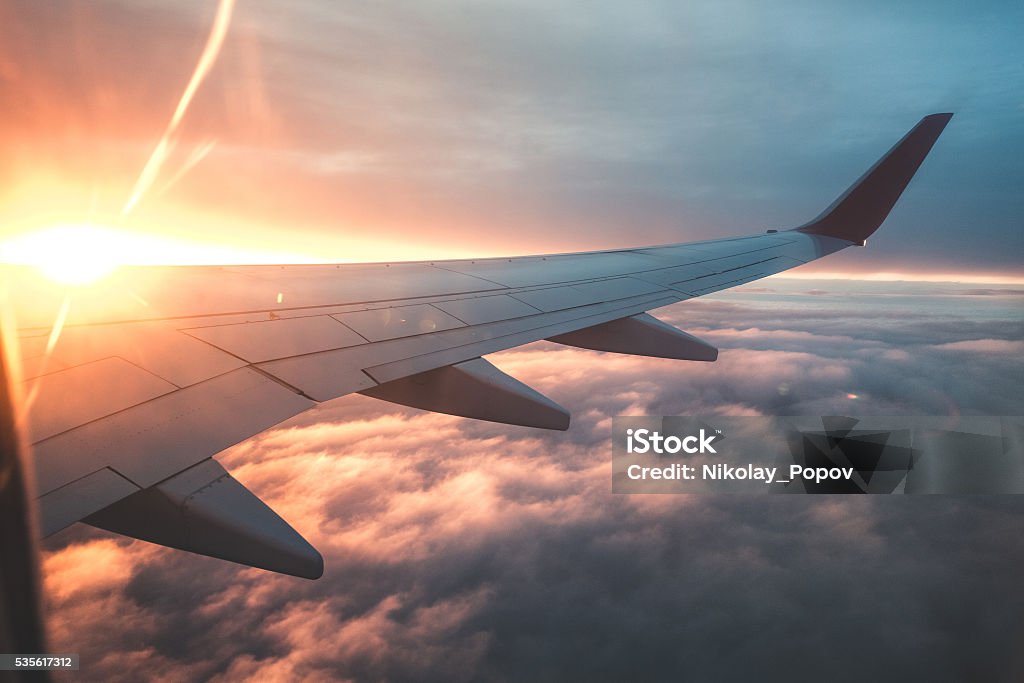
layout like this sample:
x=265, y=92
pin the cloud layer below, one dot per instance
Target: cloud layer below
x=458, y=550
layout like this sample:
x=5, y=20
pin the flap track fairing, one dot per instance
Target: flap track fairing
x=640, y=335
x=475, y=389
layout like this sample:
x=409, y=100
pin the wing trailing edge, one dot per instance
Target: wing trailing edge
x=859, y=211
x=475, y=389
x=205, y=510
x=640, y=335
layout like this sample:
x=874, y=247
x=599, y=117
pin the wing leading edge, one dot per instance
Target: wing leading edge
x=192, y=360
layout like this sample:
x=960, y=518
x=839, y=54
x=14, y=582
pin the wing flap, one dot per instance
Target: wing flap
x=82, y=497
x=504, y=335
x=158, y=438
x=68, y=398
x=330, y=374
x=155, y=346
x=205, y=510
x=475, y=389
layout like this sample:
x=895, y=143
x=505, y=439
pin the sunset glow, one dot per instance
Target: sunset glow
x=257, y=258
x=70, y=254
x=79, y=254
x=82, y=253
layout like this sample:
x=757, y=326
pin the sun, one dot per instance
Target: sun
x=79, y=254
x=74, y=254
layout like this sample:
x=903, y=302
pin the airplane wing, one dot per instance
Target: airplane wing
x=155, y=370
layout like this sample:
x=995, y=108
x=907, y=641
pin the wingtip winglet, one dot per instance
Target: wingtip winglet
x=859, y=211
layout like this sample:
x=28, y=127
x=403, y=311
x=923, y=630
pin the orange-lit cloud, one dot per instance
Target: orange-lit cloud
x=987, y=346
x=461, y=550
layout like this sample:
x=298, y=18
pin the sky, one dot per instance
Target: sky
x=459, y=550
x=406, y=130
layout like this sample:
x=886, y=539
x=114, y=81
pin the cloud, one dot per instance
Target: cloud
x=458, y=550
x=992, y=346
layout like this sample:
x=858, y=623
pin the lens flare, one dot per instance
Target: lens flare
x=166, y=143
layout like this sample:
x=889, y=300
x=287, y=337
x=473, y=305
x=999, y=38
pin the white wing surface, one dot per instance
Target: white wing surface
x=158, y=369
